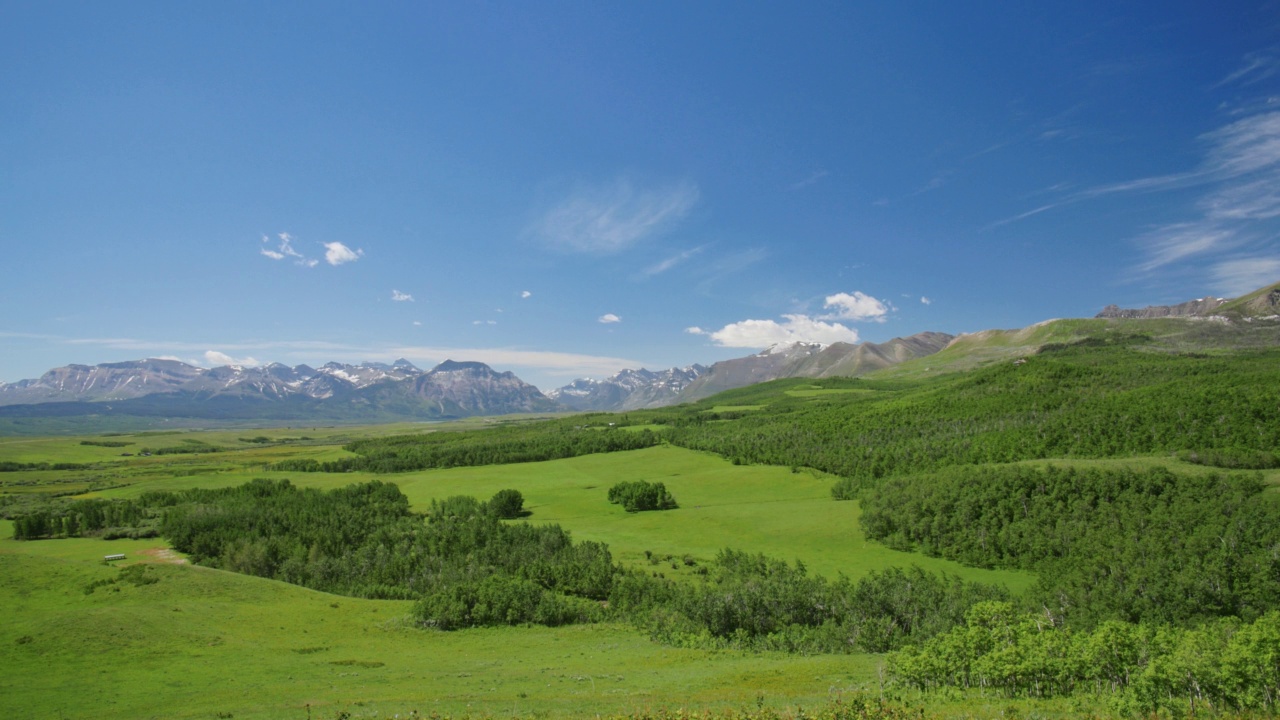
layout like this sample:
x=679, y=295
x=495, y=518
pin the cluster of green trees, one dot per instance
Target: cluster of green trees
x=1082, y=402
x=80, y=518
x=189, y=447
x=496, y=446
x=640, y=495
x=11, y=466
x=755, y=602
x=363, y=540
x=1108, y=544
x=107, y=443
x=1217, y=666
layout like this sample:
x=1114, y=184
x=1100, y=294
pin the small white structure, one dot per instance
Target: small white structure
x=109, y=558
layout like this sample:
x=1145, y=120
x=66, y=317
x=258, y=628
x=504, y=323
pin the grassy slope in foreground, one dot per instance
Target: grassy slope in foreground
x=201, y=642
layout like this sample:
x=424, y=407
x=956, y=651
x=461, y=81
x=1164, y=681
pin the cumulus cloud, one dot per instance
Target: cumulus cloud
x=335, y=253
x=525, y=294
x=856, y=306
x=925, y=300
x=608, y=318
x=763, y=333
x=607, y=220
x=398, y=296
x=484, y=322
x=218, y=359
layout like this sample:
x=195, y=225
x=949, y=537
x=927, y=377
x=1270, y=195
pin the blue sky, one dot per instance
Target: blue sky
x=566, y=189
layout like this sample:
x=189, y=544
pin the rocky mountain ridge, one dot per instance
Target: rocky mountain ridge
x=160, y=387
x=378, y=391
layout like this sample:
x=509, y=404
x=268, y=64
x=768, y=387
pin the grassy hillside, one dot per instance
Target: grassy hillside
x=184, y=641
x=201, y=643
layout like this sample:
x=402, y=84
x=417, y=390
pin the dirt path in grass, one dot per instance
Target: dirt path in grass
x=164, y=555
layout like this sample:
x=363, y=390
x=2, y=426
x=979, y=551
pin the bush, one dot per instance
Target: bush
x=641, y=495
x=507, y=504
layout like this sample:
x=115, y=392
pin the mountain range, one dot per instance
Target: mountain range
x=401, y=391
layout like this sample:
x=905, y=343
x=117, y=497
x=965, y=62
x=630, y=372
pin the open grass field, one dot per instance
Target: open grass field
x=206, y=643
x=758, y=508
x=202, y=643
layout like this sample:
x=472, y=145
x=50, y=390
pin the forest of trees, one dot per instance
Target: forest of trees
x=1107, y=544
x=551, y=440
x=1066, y=402
x=1145, y=668
x=90, y=517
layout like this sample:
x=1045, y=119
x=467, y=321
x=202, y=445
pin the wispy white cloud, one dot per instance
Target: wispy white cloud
x=667, y=264
x=335, y=253
x=1242, y=275
x=285, y=249
x=398, y=296
x=1258, y=66
x=1238, y=181
x=856, y=306
x=726, y=266
x=484, y=322
x=607, y=220
x=609, y=318
x=926, y=301
x=1171, y=243
x=763, y=333
x=939, y=179
x=417, y=323
x=524, y=294
x=1241, y=173
x=812, y=179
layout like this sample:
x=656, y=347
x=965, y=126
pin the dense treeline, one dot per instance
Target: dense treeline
x=752, y=601
x=1074, y=401
x=1223, y=665
x=521, y=443
x=1108, y=544
x=641, y=495
x=107, y=518
x=362, y=540
x=10, y=466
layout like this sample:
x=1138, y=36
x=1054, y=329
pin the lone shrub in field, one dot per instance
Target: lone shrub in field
x=641, y=495
x=507, y=504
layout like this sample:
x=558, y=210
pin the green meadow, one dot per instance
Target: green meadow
x=199, y=642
